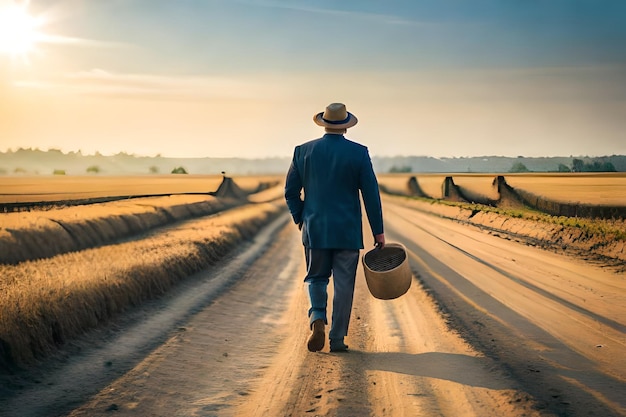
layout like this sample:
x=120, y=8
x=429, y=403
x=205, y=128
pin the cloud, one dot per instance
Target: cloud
x=73, y=41
x=99, y=82
x=378, y=17
x=587, y=86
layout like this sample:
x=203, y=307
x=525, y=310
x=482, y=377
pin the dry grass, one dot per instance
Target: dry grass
x=254, y=183
x=612, y=229
x=271, y=194
x=41, y=234
x=47, y=302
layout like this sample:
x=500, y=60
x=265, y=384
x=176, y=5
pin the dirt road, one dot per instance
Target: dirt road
x=489, y=327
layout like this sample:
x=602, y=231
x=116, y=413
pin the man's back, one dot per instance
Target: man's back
x=332, y=170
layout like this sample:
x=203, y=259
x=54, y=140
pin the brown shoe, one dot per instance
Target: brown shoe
x=318, y=336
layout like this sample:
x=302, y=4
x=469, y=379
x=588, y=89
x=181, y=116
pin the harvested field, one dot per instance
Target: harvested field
x=598, y=232
x=33, y=235
x=51, y=188
x=68, y=269
x=607, y=189
x=70, y=225
x=477, y=186
x=600, y=195
x=47, y=302
x=431, y=184
x=18, y=189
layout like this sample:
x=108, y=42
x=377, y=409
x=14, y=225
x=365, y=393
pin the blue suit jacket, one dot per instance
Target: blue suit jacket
x=332, y=170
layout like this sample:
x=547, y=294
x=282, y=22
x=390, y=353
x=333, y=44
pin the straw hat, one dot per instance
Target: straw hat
x=335, y=117
x=387, y=271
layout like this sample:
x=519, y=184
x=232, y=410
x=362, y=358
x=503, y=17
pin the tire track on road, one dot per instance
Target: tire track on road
x=521, y=281
x=563, y=378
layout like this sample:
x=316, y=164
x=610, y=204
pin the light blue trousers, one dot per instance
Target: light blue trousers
x=342, y=265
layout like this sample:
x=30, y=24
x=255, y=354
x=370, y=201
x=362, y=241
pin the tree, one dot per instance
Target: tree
x=179, y=170
x=609, y=167
x=600, y=166
x=95, y=169
x=597, y=165
x=578, y=165
x=404, y=168
x=564, y=168
x=154, y=169
x=519, y=167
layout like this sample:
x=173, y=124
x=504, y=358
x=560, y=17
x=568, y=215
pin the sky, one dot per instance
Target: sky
x=244, y=78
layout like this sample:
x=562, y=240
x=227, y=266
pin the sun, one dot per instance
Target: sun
x=19, y=31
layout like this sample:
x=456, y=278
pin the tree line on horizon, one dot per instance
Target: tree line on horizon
x=34, y=161
x=578, y=165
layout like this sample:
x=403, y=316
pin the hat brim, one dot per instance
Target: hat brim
x=351, y=121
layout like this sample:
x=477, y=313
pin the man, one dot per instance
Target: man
x=332, y=170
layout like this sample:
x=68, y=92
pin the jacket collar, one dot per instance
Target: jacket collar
x=333, y=135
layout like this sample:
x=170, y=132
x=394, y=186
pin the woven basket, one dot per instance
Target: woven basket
x=387, y=271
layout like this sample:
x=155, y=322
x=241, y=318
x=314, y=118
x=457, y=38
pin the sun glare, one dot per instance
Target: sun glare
x=19, y=31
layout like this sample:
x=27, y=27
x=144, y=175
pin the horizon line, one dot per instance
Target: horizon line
x=159, y=155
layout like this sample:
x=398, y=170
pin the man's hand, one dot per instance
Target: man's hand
x=379, y=241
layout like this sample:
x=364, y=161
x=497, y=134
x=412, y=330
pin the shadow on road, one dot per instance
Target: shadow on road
x=566, y=381
x=448, y=366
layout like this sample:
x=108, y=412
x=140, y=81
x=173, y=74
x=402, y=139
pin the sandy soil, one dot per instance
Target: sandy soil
x=489, y=327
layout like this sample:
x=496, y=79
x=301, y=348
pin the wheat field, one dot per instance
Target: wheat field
x=65, y=270
x=585, y=188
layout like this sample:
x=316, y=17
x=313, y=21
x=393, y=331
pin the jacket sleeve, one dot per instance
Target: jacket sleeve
x=293, y=189
x=371, y=195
